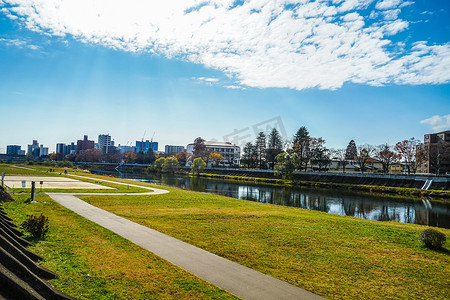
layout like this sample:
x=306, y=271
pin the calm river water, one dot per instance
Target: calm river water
x=335, y=202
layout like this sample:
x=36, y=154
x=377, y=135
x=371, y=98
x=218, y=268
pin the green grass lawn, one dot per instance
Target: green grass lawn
x=94, y=263
x=335, y=256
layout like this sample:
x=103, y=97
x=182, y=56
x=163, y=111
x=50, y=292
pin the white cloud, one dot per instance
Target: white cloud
x=391, y=14
x=388, y=4
x=18, y=43
x=207, y=79
x=258, y=43
x=234, y=87
x=438, y=123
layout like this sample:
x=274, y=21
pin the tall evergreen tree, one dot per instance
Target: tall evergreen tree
x=301, y=146
x=260, y=145
x=274, y=147
x=249, y=155
x=351, y=152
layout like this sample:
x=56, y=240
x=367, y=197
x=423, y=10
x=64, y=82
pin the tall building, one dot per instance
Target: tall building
x=125, y=149
x=61, y=148
x=66, y=149
x=84, y=144
x=105, y=144
x=33, y=149
x=145, y=146
x=230, y=152
x=173, y=150
x=433, y=156
x=43, y=151
x=14, y=150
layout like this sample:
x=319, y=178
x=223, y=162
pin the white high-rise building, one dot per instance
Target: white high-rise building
x=105, y=144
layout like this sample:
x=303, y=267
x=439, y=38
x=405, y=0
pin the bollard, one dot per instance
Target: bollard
x=3, y=177
x=32, y=190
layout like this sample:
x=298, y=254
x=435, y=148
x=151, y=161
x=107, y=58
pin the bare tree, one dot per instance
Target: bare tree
x=363, y=158
x=407, y=151
x=386, y=156
x=340, y=156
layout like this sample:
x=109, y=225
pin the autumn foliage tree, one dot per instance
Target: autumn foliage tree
x=182, y=158
x=216, y=157
x=56, y=156
x=130, y=157
x=90, y=155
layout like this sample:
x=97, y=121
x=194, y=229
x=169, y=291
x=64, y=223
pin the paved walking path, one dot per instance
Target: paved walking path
x=241, y=281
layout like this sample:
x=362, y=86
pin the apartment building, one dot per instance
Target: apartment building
x=433, y=156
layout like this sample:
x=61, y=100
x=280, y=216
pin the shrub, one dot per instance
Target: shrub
x=433, y=239
x=37, y=226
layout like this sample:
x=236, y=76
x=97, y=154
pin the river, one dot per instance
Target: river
x=357, y=205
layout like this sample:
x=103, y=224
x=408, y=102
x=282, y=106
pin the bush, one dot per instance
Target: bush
x=37, y=226
x=432, y=239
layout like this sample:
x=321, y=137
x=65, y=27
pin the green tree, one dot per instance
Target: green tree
x=249, y=155
x=170, y=165
x=301, y=146
x=287, y=163
x=260, y=145
x=274, y=147
x=159, y=164
x=198, y=165
x=351, y=152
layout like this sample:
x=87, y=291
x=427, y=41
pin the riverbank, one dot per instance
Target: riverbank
x=337, y=257
x=333, y=256
x=418, y=194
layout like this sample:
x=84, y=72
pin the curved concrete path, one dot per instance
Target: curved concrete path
x=241, y=281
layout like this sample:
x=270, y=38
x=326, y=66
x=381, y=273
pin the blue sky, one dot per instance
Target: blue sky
x=372, y=71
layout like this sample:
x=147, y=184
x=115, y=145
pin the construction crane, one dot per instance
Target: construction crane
x=142, y=141
x=145, y=131
x=151, y=141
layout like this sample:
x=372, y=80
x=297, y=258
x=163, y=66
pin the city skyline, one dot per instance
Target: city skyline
x=371, y=71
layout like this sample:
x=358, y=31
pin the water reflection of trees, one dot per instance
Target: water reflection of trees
x=365, y=207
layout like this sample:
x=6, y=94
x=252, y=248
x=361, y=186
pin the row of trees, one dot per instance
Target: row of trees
x=263, y=153
x=302, y=153
x=307, y=151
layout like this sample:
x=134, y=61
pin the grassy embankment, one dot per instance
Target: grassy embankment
x=94, y=263
x=338, y=257
x=417, y=194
